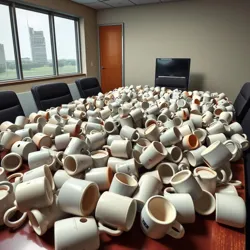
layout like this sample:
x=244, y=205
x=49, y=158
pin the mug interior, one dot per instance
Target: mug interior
x=70, y=164
x=3, y=192
x=126, y=179
x=49, y=176
x=89, y=199
x=166, y=172
x=34, y=223
x=176, y=154
x=193, y=141
x=205, y=173
x=161, y=210
x=48, y=190
x=181, y=176
x=11, y=162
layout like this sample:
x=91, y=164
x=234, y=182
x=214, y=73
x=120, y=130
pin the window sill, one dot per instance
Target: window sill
x=14, y=82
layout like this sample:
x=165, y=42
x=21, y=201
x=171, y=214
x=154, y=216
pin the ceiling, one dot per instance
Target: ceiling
x=106, y=4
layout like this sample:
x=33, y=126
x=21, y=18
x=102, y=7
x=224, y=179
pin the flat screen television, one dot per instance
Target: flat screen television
x=179, y=67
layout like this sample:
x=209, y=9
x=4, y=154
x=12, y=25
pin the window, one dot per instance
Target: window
x=65, y=38
x=37, y=43
x=7, y=55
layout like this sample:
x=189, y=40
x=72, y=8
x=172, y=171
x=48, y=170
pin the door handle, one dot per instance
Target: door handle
x=103, y=67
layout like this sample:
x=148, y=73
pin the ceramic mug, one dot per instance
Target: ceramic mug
x=7, y=198
x=113, y=161
x=23, y=148
x=129, y=133
x=183, y=204
x=76, y=232
x=8, y=138
x=78, y=197
x=120, y=148
x=41, y=139
x=41, y=171
x=153, y=154
x=207, y=178
x=205, y=205
x=52, y=130
x=96, y=141
x=174, y=154
x=102, y=176
x=36, y=193
x=120, y=217
x=241, y=140
x=62, y=141
x=148, y=186
x=123, y=184
x=35, y=127
x=21, y=121
x=129, y=167
x=140, y=144
x=166, y=170
x=100, y=158
x=158, y=218
x=216, y=155
x=26, y=132
x=75, y=146
x=184, y=182
x=171, y=136
x=44, y=218
x=39, y=158
x=8, y=126
x=77, y=163
x=12, y=162
x=194, y=156
x=152, y=132
x=216, y=137
x=225, y=204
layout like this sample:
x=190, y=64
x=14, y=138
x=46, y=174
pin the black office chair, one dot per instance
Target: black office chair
x=172, y=82
x=10, y=106
x=51, y=95
x=88, y=87
x=242, y=102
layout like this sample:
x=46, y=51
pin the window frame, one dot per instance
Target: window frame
x=16, y=44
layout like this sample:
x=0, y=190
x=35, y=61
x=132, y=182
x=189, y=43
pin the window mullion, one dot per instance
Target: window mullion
x=53, y=44
x=78, y=47
x=16, y=42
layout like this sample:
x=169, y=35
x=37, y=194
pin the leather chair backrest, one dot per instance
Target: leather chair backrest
x=172, y=82
x=242, y=102
x=10, y=106
x=51, y=95
x=88, y=87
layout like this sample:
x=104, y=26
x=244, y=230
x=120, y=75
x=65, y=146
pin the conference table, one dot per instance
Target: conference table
x=204, y=234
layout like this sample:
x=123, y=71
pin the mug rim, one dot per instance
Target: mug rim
x=152, y=217
x=189, y=173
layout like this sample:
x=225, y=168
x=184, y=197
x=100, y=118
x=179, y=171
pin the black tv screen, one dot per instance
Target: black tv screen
x=179, y=67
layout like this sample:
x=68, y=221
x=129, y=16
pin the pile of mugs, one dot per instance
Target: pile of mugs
x=94, y=163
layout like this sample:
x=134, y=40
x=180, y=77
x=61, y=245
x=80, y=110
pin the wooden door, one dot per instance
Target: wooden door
x=110, y=42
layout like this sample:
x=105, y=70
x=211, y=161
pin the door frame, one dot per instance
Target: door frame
x=99, y=56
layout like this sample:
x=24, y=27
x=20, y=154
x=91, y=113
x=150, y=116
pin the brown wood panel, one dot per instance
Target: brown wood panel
x=204, y=234
x=110, y=42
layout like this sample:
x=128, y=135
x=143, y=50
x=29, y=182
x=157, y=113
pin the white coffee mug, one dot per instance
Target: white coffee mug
x=123, y=184
x=12, y=162
x=120, y=217
x=225, y=204
x=78, y=197
x=158, y=218
x=184, y=182
x=183, y=204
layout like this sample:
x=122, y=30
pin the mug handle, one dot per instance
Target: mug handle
x=7, y=183
x=15, y=175
x=10, y=223
x=177, y=234
x=236, y=183
x=112, y=232
x=59, y=157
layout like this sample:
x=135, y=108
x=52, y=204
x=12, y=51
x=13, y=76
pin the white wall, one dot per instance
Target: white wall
x=215, y=34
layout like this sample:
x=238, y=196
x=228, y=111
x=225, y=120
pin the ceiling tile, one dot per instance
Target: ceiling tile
x=119, y=3
x=84, y=1
x=98, y=5
x=145, y=1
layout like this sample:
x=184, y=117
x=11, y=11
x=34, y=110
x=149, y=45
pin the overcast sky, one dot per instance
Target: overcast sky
x=65, y=34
